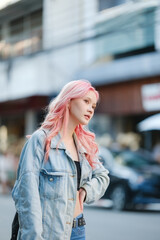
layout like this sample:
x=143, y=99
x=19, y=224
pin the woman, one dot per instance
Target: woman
x=59, y=169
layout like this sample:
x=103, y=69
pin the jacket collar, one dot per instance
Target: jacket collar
x=55, y=140
x=81, y=149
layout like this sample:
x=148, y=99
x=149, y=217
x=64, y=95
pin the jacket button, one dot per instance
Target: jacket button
x=51, y=179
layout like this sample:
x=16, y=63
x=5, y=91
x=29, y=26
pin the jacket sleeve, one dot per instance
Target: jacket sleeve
x=96, y=187
x=26, y=189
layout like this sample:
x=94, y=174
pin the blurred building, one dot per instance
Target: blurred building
x=125, y=66
x=114, y=44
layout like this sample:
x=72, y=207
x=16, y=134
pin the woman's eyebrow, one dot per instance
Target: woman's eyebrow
x=91, y=101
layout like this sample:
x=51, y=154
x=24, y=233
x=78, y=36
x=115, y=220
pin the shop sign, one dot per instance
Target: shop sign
x=151, y=97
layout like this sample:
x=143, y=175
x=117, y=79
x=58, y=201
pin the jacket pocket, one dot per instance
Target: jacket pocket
x=51, y=184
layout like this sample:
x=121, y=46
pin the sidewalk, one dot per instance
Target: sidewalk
x=7, y=211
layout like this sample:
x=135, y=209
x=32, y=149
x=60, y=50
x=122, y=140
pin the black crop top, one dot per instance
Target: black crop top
x=78, y=173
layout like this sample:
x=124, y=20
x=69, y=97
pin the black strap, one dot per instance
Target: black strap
x=15, y=227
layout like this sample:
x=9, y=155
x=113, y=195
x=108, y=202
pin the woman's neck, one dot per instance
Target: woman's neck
x=68, y=131
x=68, y=134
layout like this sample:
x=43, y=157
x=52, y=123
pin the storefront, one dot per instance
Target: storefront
x=21, y=117
x=127, y=103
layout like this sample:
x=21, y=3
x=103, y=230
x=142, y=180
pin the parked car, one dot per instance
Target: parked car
x=134, y=178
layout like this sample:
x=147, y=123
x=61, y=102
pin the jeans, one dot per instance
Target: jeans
x=78, y=233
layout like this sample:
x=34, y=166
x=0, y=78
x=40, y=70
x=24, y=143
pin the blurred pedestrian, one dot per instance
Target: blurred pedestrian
x=59, y=169
x=156, y=152
x=3, y=174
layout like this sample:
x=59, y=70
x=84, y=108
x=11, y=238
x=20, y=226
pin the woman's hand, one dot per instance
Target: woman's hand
x=82, y=195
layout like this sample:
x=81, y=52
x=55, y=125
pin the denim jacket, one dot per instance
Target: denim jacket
x=45, y=192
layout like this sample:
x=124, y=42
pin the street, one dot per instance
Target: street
x=105, y=224
x=102, y=223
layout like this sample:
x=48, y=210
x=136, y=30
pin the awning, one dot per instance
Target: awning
x=150, y=123
x=121, y=70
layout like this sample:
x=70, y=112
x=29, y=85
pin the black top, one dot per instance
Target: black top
x=78, y=173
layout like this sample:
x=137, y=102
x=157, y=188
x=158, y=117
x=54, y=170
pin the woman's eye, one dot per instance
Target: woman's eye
x=86, y=100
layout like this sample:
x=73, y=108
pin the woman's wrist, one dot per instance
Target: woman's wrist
x=85, y=193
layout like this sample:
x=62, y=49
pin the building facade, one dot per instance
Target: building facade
x=45, y=44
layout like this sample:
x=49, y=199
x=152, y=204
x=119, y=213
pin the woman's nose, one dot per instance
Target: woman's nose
x=90, y=109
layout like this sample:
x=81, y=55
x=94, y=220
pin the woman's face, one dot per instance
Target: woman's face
x=82, y=109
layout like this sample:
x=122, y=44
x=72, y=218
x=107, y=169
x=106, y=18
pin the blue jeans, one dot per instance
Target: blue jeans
x=78, y=233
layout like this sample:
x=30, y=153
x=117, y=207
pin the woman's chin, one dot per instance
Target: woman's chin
x=85, y=122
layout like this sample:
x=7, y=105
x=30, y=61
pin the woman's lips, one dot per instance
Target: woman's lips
x=87, y=117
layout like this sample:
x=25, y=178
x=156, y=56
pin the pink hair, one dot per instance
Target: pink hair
x=58, y=115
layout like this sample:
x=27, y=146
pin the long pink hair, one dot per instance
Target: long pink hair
x=58, y=115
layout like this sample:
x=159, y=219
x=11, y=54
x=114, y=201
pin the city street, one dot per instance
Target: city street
x=102, y=223
x=80, y=93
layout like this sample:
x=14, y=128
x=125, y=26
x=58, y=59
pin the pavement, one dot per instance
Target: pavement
x=103, y=223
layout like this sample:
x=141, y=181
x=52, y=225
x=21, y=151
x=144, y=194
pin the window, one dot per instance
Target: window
x=36, y=30
x=0, y=33
x=36, y=19
x=1, y=43
x=104, y=4
x=25, y=35
x=16, y=27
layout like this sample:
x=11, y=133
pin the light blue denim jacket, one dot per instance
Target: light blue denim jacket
x=45, y=192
